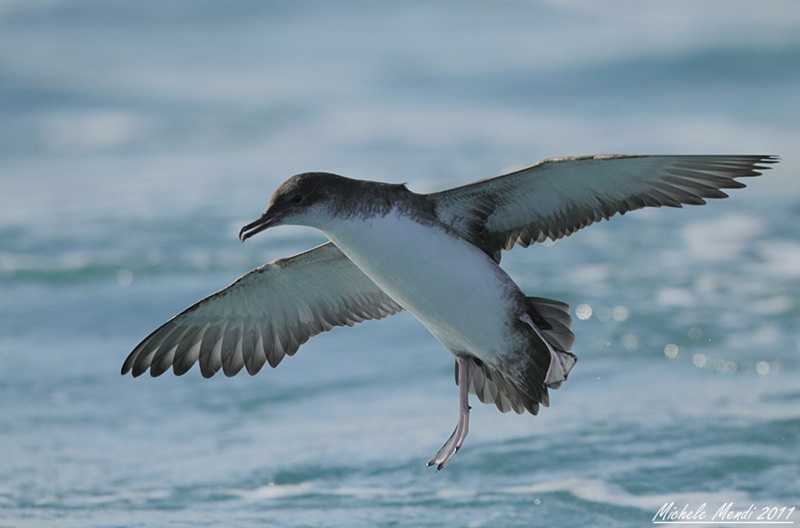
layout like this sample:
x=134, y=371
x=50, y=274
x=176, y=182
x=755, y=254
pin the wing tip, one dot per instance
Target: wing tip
x=206, y=372
x=129, y=361
x=763, y=162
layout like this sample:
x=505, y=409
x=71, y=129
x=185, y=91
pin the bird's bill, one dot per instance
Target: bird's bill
x=265, y=221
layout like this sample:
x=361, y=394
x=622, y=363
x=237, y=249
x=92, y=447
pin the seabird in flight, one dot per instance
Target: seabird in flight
x=438, y=256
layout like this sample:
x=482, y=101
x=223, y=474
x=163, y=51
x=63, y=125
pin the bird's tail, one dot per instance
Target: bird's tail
x=552, y=323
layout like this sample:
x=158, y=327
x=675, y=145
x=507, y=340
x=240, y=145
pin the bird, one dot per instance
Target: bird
x=437, y=256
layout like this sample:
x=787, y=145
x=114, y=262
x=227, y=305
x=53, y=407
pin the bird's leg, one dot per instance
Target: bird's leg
x=456, y=439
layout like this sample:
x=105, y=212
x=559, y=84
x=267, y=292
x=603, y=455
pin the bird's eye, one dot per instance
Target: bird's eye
x=297, y=199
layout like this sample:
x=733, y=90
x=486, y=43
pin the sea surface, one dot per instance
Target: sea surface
x=137, y=137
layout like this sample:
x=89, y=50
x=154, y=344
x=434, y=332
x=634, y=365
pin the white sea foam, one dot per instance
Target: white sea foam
x=722, y=238
x=274, y=491
x=773, y=305
x=605, y=493
x=782, y=257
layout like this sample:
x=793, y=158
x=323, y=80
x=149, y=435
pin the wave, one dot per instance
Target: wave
x=602, y=492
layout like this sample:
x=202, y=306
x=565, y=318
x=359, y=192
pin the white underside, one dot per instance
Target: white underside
x=453, y=288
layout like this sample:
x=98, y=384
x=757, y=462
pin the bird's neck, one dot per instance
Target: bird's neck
x=365, y=199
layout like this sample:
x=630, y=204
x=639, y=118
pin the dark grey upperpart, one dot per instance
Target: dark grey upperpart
x=518, y=208
x=349, y=197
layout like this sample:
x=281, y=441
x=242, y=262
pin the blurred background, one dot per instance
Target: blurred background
x=138, y=137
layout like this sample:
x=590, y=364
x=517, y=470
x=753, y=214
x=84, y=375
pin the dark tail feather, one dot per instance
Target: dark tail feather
x=520, y=381
x=491, y=386
x=552, y=322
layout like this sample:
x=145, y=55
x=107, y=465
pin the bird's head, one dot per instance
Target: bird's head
x=303, y=199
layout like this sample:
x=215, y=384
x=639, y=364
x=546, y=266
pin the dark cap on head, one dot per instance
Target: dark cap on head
x=294, y=195
x=342, y=196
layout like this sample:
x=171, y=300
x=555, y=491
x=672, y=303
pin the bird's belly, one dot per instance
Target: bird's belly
x=453, y=288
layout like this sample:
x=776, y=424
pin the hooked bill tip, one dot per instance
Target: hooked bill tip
x=256, y=227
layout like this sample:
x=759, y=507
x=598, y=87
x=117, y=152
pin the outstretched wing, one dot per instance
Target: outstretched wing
x=556, y=197
x=264, y=316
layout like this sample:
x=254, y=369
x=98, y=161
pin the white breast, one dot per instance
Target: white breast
x=452, y=287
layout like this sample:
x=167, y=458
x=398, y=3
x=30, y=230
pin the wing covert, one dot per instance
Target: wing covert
x=557, y=197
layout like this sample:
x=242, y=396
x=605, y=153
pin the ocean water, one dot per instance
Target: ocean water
x=138, y=138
